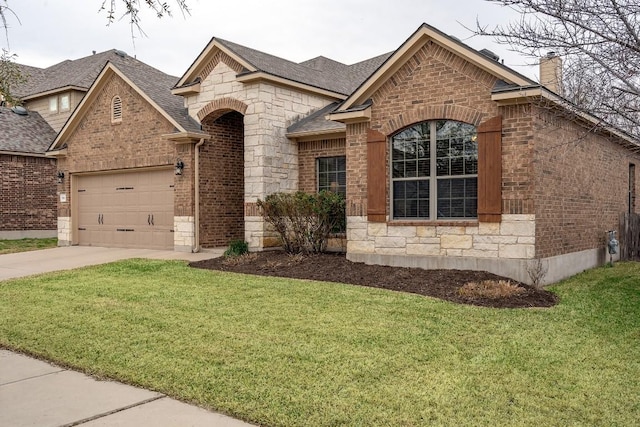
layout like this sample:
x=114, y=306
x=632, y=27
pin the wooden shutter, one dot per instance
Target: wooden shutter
x=490, y=170
x=376, y=176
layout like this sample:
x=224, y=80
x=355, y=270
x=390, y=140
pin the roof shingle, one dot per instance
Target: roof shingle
x=24, y=133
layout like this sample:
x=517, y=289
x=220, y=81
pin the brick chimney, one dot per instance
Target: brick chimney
x=551, y=72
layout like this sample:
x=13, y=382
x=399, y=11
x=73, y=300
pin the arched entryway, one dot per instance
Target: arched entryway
x=222, y=179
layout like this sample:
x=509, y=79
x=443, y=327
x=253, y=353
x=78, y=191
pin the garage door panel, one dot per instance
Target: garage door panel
x=129, y=209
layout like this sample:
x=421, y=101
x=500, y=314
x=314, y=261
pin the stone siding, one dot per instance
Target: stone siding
x=64, y=231
x=513, y=238
x=183, y=228
x=270, y=159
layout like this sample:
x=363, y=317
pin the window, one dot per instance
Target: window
x=332, y=174
x=53, y=104
x=65, y=105
x=434, y=171
x=59, y=103
x=116, y=109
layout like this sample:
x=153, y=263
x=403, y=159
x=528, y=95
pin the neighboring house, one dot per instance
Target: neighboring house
x=54, y=92
x=448, y=159
x=27, y=177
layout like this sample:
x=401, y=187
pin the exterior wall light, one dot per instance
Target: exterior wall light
x=179, y=167
x=60, y=176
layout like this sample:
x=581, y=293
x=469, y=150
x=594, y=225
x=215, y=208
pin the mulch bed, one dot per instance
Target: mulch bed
x=443, y=284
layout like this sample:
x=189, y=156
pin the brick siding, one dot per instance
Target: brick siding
x=28, y=193
x=308, y=152
x=582, y=185
x=222, y=180
x=433, y=84
x=135, y=142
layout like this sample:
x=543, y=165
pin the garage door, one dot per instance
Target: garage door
x=126, y=210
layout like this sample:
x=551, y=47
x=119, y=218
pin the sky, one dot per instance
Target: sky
x=46, y=32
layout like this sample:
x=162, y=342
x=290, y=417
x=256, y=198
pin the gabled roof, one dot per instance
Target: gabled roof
x=425, y=32
x=150, y=83
x=76, y=74
x=28, y=133
x=321, y=73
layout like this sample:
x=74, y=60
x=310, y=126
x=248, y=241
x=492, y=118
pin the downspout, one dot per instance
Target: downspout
x=196, y=240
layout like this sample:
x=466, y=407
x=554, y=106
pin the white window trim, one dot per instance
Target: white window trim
x=60, y=107
x=53, y=102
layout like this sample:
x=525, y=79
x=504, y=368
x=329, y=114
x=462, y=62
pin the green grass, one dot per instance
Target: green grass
x=23, y=245
x=282, y=352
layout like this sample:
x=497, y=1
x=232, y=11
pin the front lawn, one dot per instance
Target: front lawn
x=284, y=352
x=23, y=245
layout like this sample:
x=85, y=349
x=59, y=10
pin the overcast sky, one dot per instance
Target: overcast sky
x=348, y=31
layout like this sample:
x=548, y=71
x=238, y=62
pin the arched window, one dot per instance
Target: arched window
x=434, y=171
x=116, y=109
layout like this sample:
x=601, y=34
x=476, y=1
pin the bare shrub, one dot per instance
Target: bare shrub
x=304, y=221
x=240, y=259
x=492, y=289
x=537, y=271
x=296, y=258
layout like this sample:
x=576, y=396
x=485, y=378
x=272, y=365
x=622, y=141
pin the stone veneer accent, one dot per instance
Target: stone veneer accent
x=64, y=230
x=513, y=238
x=183, y=233
x=270, y=159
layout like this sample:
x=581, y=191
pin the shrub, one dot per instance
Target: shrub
x=237, y=248
x=304, y=221
x=492, y=289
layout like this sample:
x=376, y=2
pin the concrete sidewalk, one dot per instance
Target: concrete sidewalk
x=35, y=393
x=68, y=257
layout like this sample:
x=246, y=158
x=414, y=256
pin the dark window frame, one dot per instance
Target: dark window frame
x=331, y=174
x=427, y=159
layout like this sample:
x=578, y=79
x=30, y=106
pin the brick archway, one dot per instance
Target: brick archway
x=432, y=112
x=220, y=107
x=221, y=183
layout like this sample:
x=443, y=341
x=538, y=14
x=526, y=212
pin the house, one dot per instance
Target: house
x=119, y=187
x=448, y=159
x=28, y=177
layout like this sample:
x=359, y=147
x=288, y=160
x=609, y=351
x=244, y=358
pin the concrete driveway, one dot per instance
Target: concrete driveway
x=69, y=257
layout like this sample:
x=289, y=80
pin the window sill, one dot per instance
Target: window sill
x=430, y=223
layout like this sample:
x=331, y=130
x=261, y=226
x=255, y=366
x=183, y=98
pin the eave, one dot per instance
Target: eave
x=351, y=116
x=412, y=45
x=186, y=137
x=186, y=90
x=22, y=153
x=53, y=92
x=57, y=153
x=316, y=135
x=527, y=95
x=257, y=76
